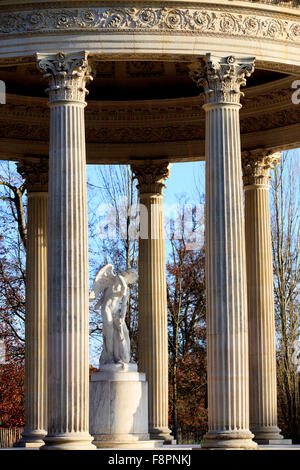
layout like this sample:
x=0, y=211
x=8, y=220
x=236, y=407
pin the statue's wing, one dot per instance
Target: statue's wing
x=102, y=280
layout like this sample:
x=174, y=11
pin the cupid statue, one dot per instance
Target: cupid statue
x=112, y=292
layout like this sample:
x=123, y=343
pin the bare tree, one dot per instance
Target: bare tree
x=12, y=258
x=186, y=309
x=112, y=197
x=285, y=243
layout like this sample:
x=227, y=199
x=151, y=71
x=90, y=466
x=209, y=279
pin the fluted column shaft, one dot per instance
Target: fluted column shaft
x=36, y=176
x=68, y=320
x=153, y=327
x=261, y=316
x=227, y=332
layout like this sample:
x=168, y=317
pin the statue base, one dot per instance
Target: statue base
x=119, y=408
x=119, y=367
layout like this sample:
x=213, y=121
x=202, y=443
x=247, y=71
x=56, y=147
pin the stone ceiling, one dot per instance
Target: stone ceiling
x=117, y=131
x=124, y=80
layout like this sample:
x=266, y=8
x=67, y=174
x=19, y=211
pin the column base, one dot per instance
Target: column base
x=275, y=442
x=162, y=434
x=269, y=435
x=125, y=442
x=69, y=441
x=32, y=439
x=229, y=440
x=29, y=445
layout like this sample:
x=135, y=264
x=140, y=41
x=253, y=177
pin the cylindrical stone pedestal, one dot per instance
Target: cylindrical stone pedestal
x=119, y=408
x=261, y=315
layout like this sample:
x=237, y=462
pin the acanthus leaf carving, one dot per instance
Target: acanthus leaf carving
x=256, y=166
x=35, y=174
x=67, y=75
x=151, y=176
x=222, y=78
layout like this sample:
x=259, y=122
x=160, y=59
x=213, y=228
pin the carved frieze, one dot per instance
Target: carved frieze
x=23, y=130
x=159, y=121
x=146, y=133
x=154, y=19
x=150, y=133
x=104, y=132
x=268, y=120
x=271, y=97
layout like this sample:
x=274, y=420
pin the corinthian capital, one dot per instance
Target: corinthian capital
x=35, y=174
x=151, y=176
x=67, y=75
x=222, y=78
x=256, y=166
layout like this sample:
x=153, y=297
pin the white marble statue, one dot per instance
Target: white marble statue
x=111, y=291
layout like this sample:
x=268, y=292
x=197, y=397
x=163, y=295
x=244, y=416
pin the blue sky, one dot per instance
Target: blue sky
x=186, y=184
x=183, y=179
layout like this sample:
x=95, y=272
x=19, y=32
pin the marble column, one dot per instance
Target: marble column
x=35, y=173
x=261, y=316
x=68, y=309
x=153, y=327
x=227, y=330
